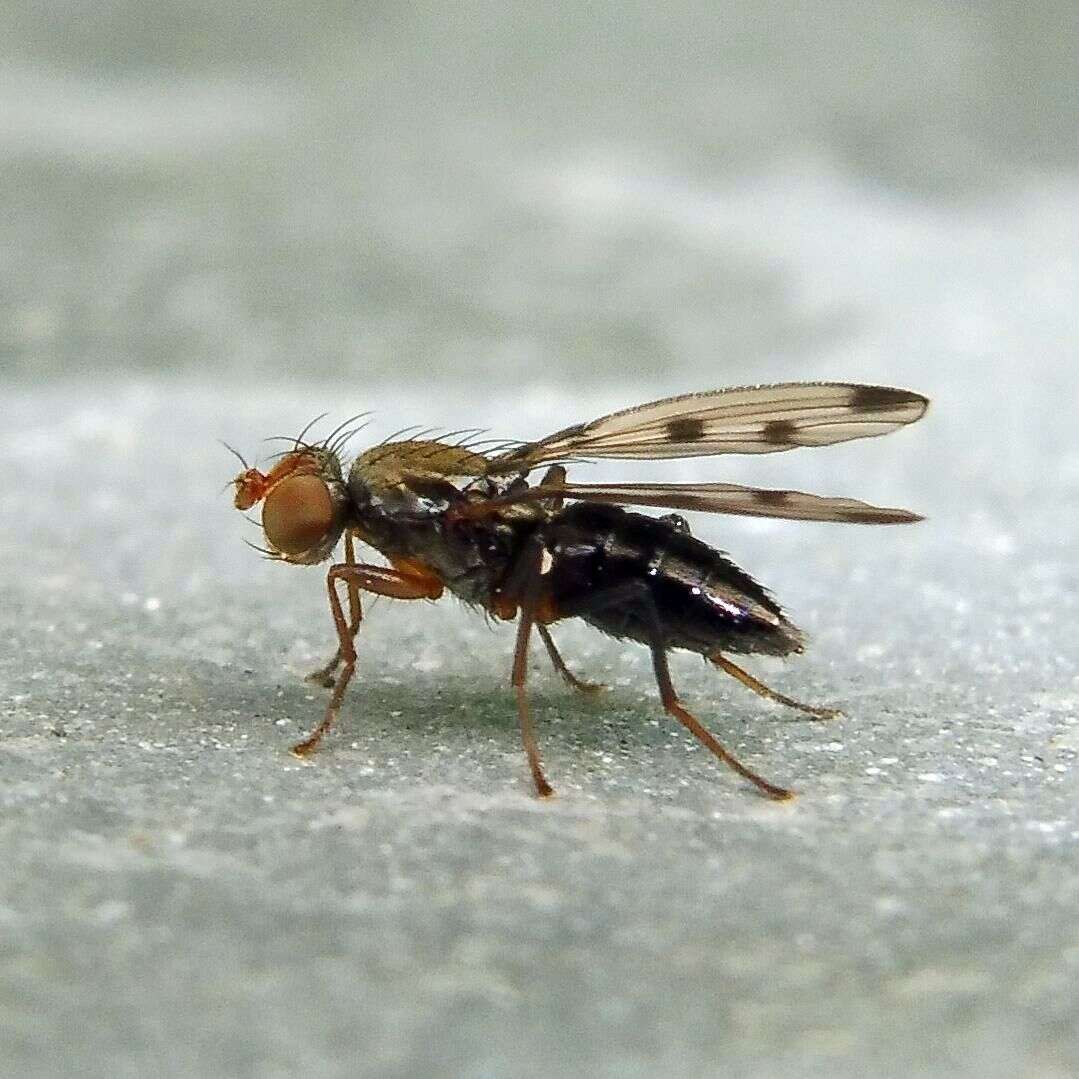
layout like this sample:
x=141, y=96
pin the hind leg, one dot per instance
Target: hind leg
x=636, y=596
x=769, y=694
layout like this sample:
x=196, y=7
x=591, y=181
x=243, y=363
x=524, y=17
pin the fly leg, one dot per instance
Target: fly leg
x=527, y=580
x=382, y=581
x=524, y=715
x=526, y=586
x=554, y=476
x=324, y=675
x=769, y=694
x=636, y=596
x=560, y=664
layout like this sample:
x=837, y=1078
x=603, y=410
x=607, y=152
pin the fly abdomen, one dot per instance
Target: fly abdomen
x=619, y=570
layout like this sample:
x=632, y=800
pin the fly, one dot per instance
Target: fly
x=462, y=516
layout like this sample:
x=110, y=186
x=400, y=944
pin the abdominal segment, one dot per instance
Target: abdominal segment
x=626, y=573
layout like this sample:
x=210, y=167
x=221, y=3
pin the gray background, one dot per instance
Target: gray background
x=220, y=220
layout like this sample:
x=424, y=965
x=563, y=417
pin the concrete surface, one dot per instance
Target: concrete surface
x=220, y=233
x=178, y=889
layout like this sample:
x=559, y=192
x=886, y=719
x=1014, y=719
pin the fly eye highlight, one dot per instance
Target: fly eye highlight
x=299, y=514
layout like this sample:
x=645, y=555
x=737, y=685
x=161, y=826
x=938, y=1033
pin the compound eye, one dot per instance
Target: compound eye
x=298, y=514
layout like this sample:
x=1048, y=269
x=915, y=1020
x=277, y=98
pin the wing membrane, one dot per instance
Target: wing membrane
x=720, y=498
x=751, y=419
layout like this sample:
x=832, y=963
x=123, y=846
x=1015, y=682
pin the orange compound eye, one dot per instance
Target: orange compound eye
x=298, y=514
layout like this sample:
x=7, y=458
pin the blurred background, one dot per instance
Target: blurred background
x=220, y=219
x=521, y=192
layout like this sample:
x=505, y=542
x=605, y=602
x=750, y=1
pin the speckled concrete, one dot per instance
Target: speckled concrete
x=178, y=887
x=222, y=245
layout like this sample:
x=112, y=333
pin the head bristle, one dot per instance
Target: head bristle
x=340, y=427
x=235, y=453
x=299, y=440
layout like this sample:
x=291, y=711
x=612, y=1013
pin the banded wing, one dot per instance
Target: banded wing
x=718, y=498
x=751, y=419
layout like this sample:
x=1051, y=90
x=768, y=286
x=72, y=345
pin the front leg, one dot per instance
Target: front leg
x=410, y=583
x=324, y=676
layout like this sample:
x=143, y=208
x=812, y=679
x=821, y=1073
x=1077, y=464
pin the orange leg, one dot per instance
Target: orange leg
x=636, y=595
x=768, y=693
x=520, y=675
x=382, y=581
x=555, y=475
x=560, y=664
x=324, y=675
x=530, y=578
x=527, y=588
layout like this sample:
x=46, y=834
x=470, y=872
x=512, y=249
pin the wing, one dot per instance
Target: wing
x=716, y=498
x=752, y=419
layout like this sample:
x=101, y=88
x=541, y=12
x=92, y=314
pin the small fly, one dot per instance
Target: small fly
x=454, y=514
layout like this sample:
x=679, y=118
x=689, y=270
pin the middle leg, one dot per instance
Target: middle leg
x=524, y=714
x=526, y=585
x=560, y=664
x=554, y=476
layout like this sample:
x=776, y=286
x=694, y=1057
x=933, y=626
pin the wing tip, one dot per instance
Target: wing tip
x=886, y=517
x=868, y=399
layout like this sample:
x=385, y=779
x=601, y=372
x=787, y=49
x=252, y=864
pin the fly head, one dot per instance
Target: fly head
x=304, y=504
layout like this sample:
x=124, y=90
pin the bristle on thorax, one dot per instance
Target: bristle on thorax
x=389, y=463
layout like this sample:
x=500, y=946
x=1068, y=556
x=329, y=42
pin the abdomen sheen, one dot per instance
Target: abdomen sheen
x=705, y=603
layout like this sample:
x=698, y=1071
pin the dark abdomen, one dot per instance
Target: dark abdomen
x=705, y=603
